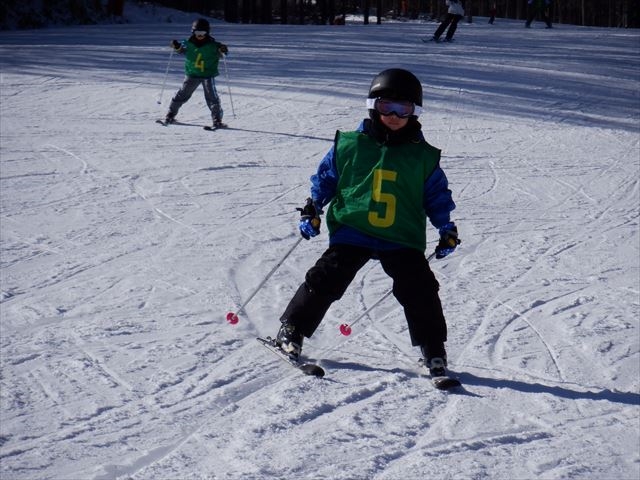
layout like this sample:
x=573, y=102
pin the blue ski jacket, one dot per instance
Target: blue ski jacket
x=437, y=200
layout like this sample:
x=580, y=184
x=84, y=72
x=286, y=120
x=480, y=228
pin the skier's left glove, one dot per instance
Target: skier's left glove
x=309, y=220
x=223, y=49
x=448, y=240
x=176, y=45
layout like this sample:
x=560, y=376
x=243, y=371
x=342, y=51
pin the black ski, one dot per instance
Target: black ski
x=433, y=40
x=306, y=368
x=210, y=128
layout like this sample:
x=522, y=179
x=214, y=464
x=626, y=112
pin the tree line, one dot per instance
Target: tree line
x=602, y=13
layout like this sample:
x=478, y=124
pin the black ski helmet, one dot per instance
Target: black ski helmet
x=201, y=25
x=396, y=84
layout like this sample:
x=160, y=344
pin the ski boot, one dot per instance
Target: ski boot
x=289, y=340
x=435, y=359
x=217, y=123
x=437, y=366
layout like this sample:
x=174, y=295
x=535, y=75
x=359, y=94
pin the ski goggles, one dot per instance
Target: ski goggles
x=199, y=33
x=399, y=108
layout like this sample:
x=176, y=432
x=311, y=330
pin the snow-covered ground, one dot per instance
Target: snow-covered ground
x=124, y=244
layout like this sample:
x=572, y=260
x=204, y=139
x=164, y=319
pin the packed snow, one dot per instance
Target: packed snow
x=125, y=243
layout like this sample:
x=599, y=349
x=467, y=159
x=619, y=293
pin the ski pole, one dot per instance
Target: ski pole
x=232, y=317
x=345, y=328
x=166, y=74
x=226, y=74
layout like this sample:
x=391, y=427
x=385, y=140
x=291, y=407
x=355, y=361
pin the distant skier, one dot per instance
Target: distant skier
x=538, y=6
x=381, y=182
x=202, y=55
x=454, y=14
x=493, y=10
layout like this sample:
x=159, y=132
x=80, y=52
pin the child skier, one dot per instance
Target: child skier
x=381, y=183
x=202, y=54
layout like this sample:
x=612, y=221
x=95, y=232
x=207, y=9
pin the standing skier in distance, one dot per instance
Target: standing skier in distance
x=202, y=55
x=538, y=6
x=381, y=182
x=455, y=12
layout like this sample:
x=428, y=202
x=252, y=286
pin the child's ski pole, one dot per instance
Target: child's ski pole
x=166, y=74
x=232, y=317
x=226, y=74
x=345, y=328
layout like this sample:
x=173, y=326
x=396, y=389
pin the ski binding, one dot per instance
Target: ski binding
x=306, y=368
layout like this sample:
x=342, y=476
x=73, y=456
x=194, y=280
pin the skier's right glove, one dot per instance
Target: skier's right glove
x=448, y=240
x=309, y=220
x=176, y=44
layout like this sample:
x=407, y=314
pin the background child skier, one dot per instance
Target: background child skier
x=202, y=55
x=383, y=180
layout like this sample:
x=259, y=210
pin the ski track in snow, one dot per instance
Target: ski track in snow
x=125, y=243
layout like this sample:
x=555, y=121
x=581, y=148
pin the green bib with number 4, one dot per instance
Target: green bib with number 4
x=201, y=62
x=381, y=188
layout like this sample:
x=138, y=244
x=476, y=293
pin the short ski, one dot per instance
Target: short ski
x=175, y=122
x=436, y=40
x=306, y=368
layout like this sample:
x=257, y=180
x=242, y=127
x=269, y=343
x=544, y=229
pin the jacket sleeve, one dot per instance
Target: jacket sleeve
x=438, y=202
x=325, y=182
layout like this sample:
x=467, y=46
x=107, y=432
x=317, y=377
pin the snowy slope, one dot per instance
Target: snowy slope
x=124, y=244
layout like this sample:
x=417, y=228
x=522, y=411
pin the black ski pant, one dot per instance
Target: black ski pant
x=450, y=19
x=544, y=13
x=414, y=286
x=210, y=95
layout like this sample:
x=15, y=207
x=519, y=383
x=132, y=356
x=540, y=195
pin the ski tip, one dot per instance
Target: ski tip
x=446, y=383
x=266, y=341
x=313, y=370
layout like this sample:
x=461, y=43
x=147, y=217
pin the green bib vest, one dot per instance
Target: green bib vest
x=201, y=61
x=380, y=188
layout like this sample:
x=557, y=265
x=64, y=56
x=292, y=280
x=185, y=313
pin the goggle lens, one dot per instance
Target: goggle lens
x=199, y=33
x=399, y=108
x=387, y=107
